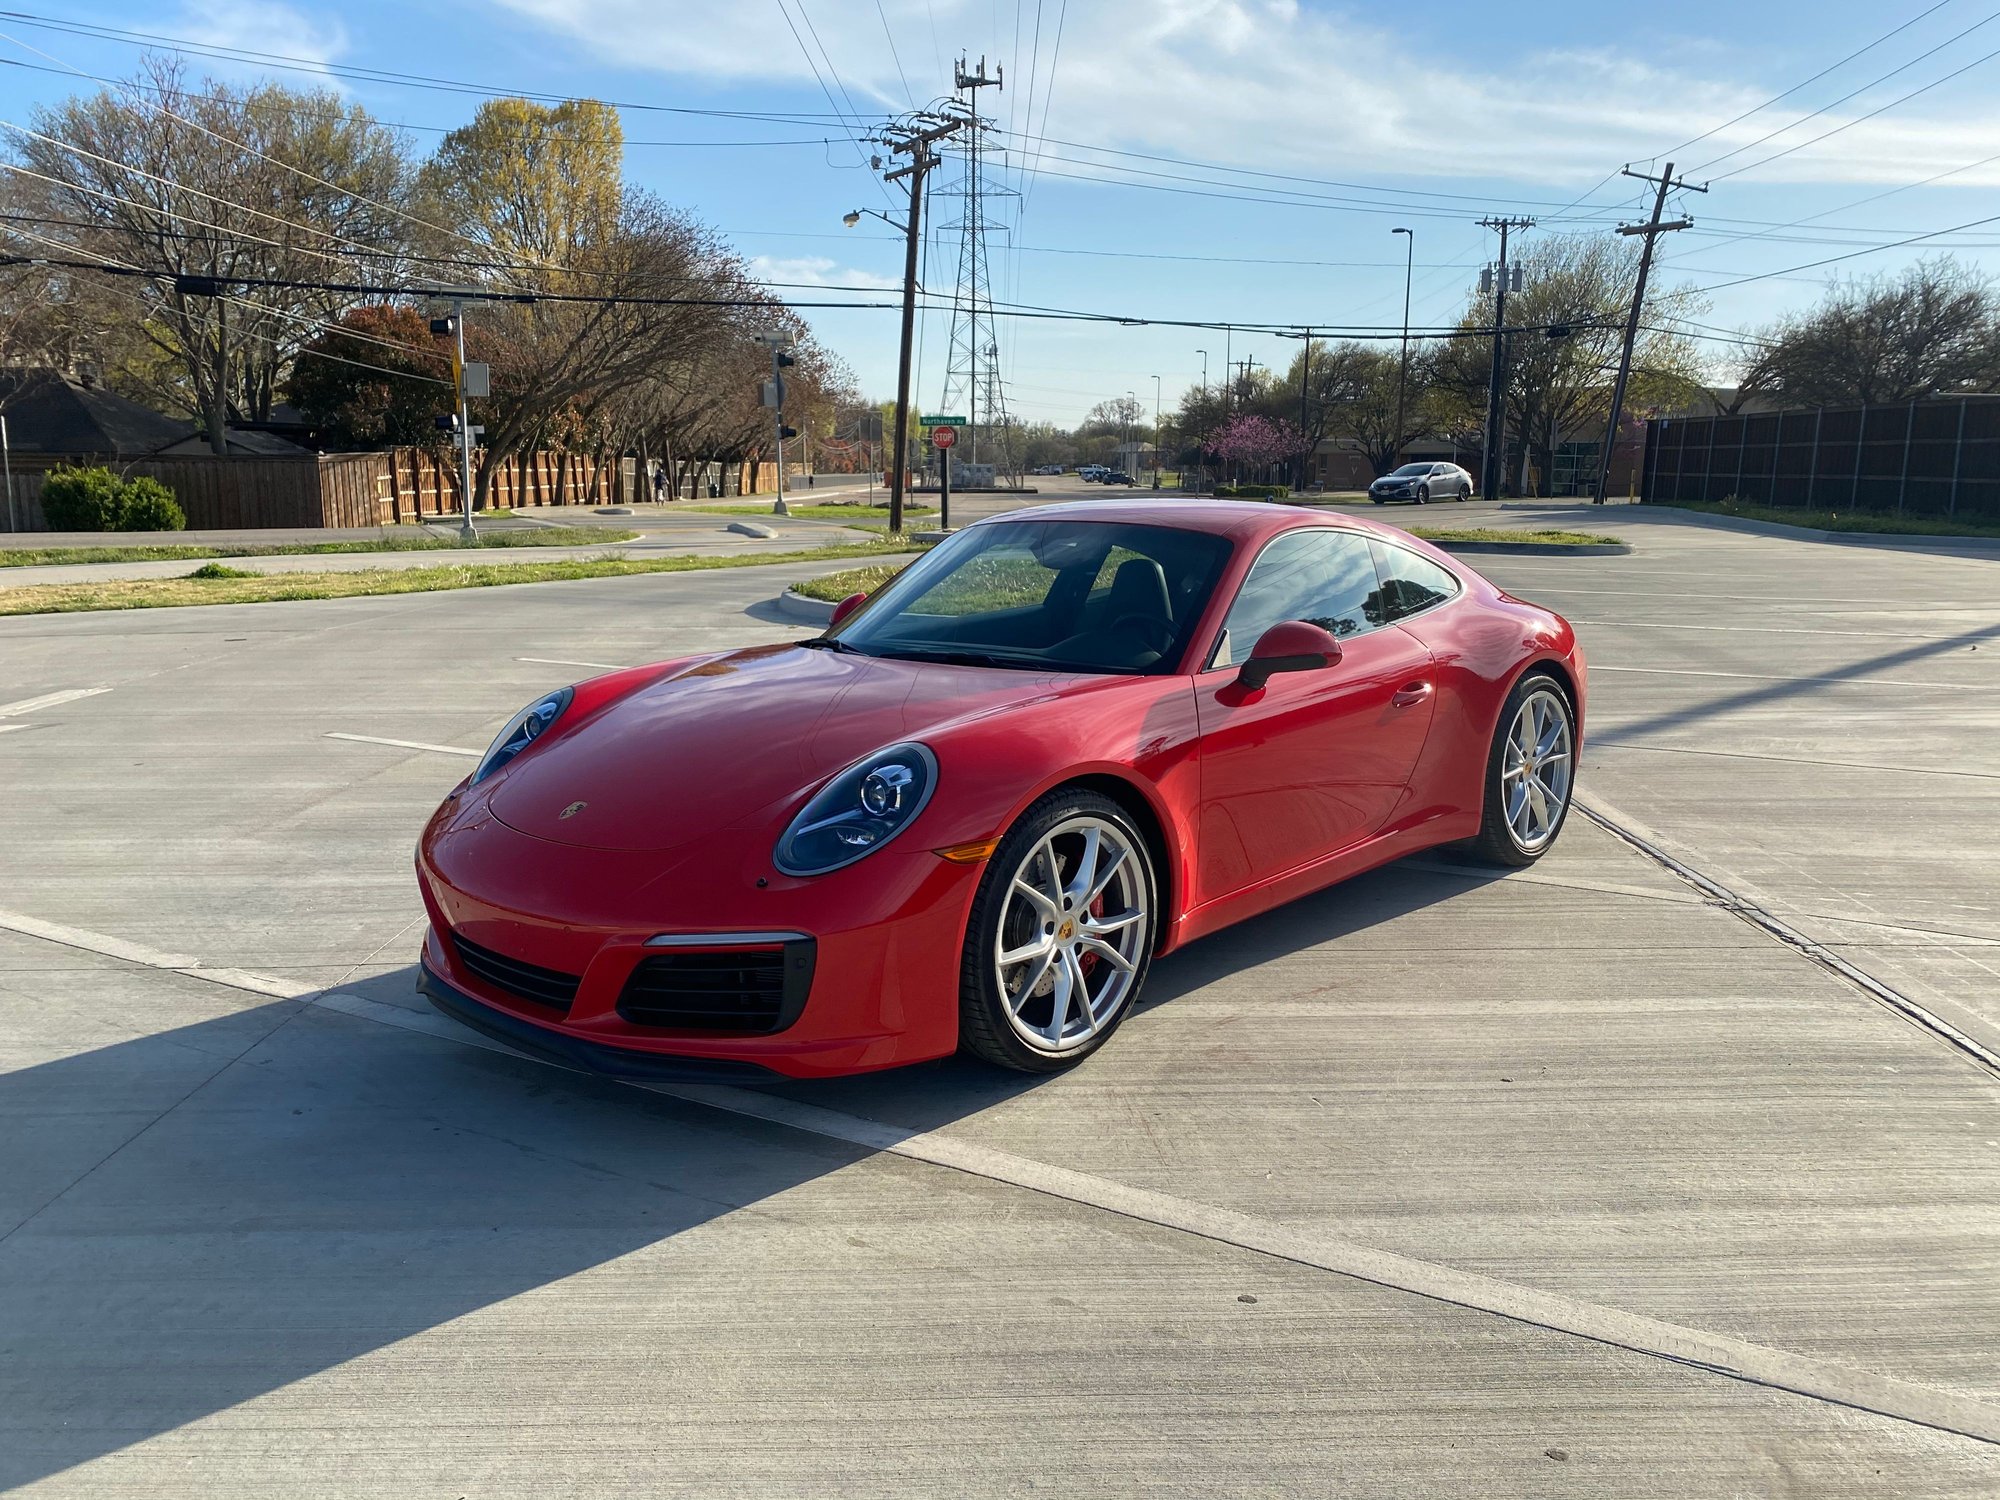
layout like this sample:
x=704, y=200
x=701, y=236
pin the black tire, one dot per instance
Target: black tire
x=983, y=1028
x=1496, y=843
x=1465, y=493
x=1424, y=495
x=1376, y=498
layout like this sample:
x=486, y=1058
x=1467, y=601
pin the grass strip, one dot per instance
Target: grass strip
x=536, y=536
x=1842, y=520
x=811, y=512
x=217, y=585
x=1498, y=534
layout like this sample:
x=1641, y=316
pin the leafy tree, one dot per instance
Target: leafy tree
x=537, y=185
x=1559, y=388
x=1256, y=442
x=371, y=381
x=1931, y=330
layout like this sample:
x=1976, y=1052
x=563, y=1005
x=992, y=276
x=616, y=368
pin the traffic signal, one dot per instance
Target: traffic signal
x=448, y=422
x=1558, y=330
x=780, y=359
x=444, y=328
x=788, y=432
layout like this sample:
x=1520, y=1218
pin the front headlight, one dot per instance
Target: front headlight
x=858, y=811
x=522, y=730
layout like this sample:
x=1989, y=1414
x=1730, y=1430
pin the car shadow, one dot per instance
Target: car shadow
x=195, y=1218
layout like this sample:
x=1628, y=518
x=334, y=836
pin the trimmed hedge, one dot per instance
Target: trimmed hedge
x=1254, y=491
x=98, y=500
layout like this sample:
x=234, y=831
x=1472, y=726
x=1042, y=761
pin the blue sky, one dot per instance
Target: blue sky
x=1428, y=113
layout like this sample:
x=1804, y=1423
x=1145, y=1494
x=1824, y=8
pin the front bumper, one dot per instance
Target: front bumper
x=888, y=934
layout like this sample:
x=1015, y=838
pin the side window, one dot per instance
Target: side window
x=1411, y=584
x=1324, y=577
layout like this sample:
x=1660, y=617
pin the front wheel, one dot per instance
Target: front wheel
x=1423, y=497
x=1466, y=493
x=1530, y=773
x=1061, y=935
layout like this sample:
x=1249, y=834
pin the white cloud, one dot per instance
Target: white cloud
x=815, y=270
x=263, y=26
x=1272, y=85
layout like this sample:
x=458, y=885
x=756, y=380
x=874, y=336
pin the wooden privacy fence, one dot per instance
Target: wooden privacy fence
x=358, y=489
x=224, y=494
x=1927, y=458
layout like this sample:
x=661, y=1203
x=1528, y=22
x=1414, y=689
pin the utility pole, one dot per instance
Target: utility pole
x=1492, y=460
x=774, y=397
x=1403, y=373
x=908, y=140
x=1305, y=370
x=1651, y=229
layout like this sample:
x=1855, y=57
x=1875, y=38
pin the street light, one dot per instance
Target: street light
x=851, y=219
x=1403, y=374
x=1204, y=372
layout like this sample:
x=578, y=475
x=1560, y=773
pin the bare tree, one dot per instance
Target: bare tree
x=1931, y=330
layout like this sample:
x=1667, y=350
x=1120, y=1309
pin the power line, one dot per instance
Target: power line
x=1915, y=239
x=265, y=106
x=291, y=63
x=1852, y=93
x=1777, y=98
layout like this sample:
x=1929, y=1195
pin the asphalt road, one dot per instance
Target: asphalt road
x=1437, y=1184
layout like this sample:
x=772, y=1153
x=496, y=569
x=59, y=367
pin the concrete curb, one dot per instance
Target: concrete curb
x=752, y=528
x=1744, y=524
x=799, y=607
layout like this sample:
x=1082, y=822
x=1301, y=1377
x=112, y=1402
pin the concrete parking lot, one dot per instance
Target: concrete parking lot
x=1669, y=1167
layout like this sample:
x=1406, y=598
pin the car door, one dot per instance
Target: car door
x=1314, y=761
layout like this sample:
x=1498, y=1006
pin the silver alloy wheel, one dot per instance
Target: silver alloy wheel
x=1536, y=769
x=1071, y=934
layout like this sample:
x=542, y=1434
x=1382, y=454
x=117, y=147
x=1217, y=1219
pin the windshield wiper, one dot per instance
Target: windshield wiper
x=970, y=659
x=828, y=643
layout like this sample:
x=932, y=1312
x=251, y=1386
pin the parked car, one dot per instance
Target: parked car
x=1422, y=483
x=1091, y=473
x=972, y=812
x=1116, y=476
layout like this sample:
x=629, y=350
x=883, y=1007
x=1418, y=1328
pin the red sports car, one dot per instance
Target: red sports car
x=970, y=814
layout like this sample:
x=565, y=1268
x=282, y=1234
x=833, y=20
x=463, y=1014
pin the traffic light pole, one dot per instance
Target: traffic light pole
x=778, y=425
x=465, y=531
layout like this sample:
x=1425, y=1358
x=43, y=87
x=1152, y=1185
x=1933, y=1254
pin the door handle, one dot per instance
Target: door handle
x=1410, y=694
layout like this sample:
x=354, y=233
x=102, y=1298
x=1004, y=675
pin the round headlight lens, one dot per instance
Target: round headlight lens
x=858, y=811
x=522, y=730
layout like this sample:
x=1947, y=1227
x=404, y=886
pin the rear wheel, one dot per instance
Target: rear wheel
x=1061, y=935
x=1530, y=773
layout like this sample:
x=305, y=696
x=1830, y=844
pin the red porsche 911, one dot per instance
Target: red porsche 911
x=971, y=813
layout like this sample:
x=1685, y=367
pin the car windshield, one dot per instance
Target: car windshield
x=1413, y=469
x=1064, y=596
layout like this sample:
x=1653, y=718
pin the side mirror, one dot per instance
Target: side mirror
x=846, y=607
x=1288, y=646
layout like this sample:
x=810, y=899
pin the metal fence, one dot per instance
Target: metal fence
x=1924, y=458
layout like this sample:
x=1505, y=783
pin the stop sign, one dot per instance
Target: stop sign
x=943, y=437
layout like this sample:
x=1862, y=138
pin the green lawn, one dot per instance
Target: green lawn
x=1495, y=534
x=1844, y=520
x=215, y=583
x=419, y=541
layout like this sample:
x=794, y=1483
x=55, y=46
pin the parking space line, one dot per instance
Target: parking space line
x=1949, y=687
x=1755, y=629
x=1630, y=831
x=1720, y=1354
x=1609, y=740
x=557, y=661
x=376, y=739
x=49, y=700
x=6, y=728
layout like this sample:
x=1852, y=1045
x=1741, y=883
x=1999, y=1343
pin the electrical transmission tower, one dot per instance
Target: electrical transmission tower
x=972, y=381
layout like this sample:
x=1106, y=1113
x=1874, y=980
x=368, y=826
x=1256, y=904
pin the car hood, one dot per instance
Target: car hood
x=738, y=738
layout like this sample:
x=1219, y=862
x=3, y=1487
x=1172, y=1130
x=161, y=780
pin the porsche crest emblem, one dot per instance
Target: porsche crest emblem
x=572, y=810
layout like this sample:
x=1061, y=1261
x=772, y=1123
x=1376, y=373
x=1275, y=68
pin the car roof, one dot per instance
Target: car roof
x=1238, y=519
